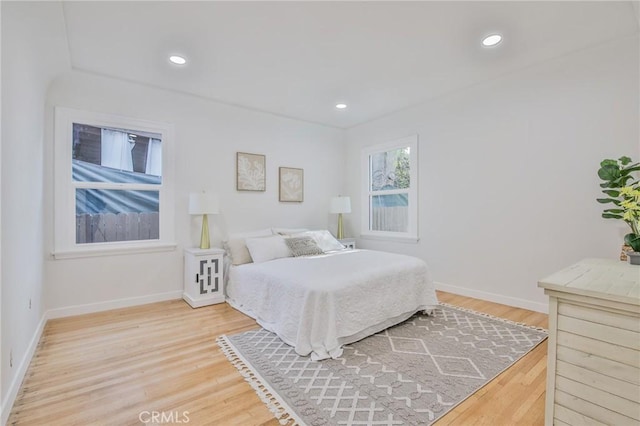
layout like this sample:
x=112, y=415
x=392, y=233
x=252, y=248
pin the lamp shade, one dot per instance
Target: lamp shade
x=340, y=205
x=203, y=203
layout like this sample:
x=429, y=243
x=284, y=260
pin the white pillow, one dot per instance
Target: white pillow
x=237, y=251
x=259, y=233
x=263, y=249
x=237, y=248
x=324, y=239
x=288, y=231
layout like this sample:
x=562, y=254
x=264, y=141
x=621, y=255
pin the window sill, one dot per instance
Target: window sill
x=392, y=238
x=113, y=251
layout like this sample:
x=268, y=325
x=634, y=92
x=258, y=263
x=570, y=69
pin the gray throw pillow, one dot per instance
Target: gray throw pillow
x=303, y=246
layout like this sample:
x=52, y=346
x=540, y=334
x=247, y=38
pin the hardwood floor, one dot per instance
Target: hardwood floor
x=124, y=366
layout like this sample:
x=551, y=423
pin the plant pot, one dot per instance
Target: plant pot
x=634, y=257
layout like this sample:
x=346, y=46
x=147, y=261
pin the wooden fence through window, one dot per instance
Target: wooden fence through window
x=107, y=227
x=392, y=219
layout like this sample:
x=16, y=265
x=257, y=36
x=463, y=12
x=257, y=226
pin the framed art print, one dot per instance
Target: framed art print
x=291, y=184
x=250, y=172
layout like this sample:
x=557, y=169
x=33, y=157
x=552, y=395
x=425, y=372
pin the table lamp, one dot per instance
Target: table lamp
x=340, y=205
x=204, y=204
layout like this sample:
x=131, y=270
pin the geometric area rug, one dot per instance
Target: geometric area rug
x=410, y=374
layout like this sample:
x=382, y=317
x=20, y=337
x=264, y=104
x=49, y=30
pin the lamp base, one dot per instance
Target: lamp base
x=204, y=236
x=340, y=227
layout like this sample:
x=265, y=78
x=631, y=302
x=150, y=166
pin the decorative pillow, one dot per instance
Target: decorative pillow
x=303, y=246
x=324, y=239
x=263, y=249
x=288, y=231
x=237, y=248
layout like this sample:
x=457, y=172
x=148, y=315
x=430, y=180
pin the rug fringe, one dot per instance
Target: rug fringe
x=521, y=324
x=268, y=397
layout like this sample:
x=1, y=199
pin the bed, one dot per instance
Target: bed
x=319, y=303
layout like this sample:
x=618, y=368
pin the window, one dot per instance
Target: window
x=390, y=190
x=112, y=184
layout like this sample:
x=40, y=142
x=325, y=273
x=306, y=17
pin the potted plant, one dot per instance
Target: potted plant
x=631, y=207
x=623, y=191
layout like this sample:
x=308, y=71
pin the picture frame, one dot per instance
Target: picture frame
x=291, y=185
x=250, y=172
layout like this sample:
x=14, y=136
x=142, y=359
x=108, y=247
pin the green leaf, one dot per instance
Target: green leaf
x=620, y=211
x=609, y=172
x=620, y=182
x=632, y=168
x=624, y=160
x=612, y=193
x=623, y=180
x=611, y=216
x=608, y=162
x=605, y=200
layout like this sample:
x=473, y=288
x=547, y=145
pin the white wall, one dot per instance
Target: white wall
x=33, y=51
x=207, y=137
x=2, y=407
x=508, y=172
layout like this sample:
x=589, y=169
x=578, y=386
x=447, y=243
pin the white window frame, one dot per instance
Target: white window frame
x=64, y=234
x=412, y=231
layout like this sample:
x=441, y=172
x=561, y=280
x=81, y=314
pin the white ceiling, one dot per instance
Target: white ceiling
x=298, y=59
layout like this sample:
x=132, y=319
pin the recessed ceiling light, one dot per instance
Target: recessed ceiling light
x=178, y=60
x=341, y=106
x=491, y=40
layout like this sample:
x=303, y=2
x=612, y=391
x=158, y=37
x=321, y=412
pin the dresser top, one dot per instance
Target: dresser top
x=602, y=278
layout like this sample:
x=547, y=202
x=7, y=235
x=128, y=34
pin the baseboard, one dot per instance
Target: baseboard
x=112, y=304
x=14, y=387
x=492, y=297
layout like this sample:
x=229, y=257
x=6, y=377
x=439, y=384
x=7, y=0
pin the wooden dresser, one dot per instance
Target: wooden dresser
x=593, y=369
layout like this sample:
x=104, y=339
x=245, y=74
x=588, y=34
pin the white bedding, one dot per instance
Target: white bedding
x=317, y=304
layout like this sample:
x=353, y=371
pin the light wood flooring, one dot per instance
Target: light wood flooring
x=111, y=368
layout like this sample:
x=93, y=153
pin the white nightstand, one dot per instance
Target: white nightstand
x=349, y=243
x=203, y=276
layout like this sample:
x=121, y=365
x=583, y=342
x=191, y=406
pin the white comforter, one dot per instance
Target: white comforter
x=317, y=304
